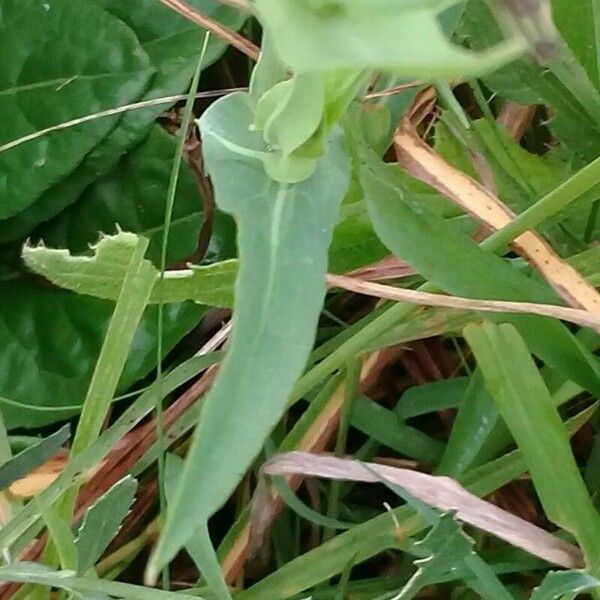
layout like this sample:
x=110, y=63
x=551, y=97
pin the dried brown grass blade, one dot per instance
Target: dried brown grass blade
x=420, y=161
x=378, y=290
x=442, y=493
x=229, y=35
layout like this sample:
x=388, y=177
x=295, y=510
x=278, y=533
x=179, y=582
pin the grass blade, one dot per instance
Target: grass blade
x=527, y=408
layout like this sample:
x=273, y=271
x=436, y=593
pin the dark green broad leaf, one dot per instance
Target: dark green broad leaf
x=55, y=337
x=454, y=263
x=173, y=45
x=61, y=61
x=133, y=197
x=32, y=457
x=284, y=231
x=102, y=522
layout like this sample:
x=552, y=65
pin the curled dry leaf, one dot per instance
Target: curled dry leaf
x=574, y=315
x=442, y=493
x=420, y=161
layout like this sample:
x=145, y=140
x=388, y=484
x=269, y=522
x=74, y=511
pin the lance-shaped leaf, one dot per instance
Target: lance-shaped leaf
x=32, y=457
x=102, y=522
x=284, y=231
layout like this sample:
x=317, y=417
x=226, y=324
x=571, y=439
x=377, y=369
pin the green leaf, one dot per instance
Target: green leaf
x=133, y=196
x=96, y=64
x=579, y=30
x=173, y=45
x=527, y=83
x=458, y=266
x=102, y=522
x=341, y=34
x=283, y=235
x=28, y=572
x=199, y=546
x=32, y=457
x=384, y=426
x=60, y=532
x=431, y=397
x=526, y=406
x=102, y=274
x=91, y=456
x=558, y=583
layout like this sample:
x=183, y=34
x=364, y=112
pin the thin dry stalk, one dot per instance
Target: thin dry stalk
x=378, y=290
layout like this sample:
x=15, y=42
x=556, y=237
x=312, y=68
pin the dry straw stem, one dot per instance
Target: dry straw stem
x=378, y=290
x=420, y=161
x=111, y=112
x=229, y=35
x=442, y=493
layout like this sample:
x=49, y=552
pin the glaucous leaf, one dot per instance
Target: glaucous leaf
x=342, y=34
x=284, y=231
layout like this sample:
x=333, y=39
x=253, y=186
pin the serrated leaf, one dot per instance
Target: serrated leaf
x=284, y=231
x=101, y=275
x=102, y=522
x=32, y=457
x=96, y=64
x=557, y=584
x=446, y=545
x=133, y=197
x=342, y=34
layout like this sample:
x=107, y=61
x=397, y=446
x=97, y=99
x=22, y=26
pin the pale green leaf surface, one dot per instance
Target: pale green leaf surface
x=29, y=572
x=351, y=35
x=50, y=79
x=558, y=583
x=283, y=235
x=102, y=522
x=102, y=274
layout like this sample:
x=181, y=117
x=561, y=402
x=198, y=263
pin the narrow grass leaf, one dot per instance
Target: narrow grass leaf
x=102, y=522
x=28, y=572
x=384, y=426
x=527, y=408
x=284, y=231
x=61, y=534
x=30, y=458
